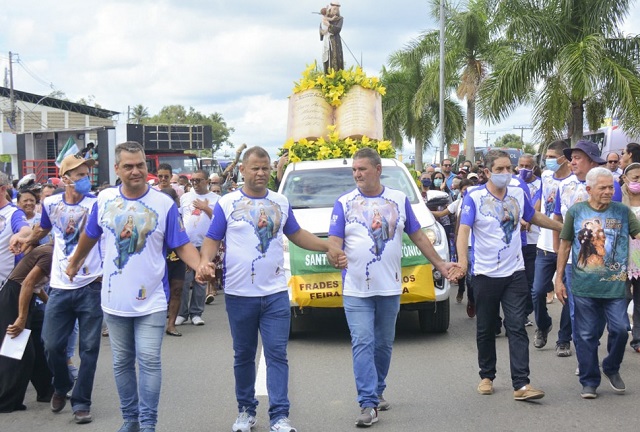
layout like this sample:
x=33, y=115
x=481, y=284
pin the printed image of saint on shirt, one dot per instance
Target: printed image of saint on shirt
x=71, y=221
x=592, y=240
x=130, y=227
x=507, y=212
x=264, y=215
x=378, y=215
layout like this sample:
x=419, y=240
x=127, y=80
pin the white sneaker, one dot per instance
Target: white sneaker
x=196, y=320
x=180, y=320
x=283, y=425
x=244, y=422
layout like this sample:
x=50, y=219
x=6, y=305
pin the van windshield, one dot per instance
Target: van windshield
x=319, y=188
x=181, y=164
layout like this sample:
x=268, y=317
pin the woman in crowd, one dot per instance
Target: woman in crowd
x=16, y=306
x=631, y=198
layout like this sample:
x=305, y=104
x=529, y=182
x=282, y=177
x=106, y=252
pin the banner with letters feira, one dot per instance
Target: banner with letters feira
x=314, y=282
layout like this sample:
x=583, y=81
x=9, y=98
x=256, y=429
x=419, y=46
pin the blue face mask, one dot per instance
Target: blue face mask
x=552, y=164
x=83, y=186
x=437, y=182
x=426, y=182
x=500, y=181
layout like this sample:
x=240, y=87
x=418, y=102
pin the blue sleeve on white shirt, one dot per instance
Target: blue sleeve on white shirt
x=18, y=220
x=468, y=212
x=175, y=234
x=538, y=196
x=45, y=222
x=291, y=226
x=411, y=225
x=93, y=228
x=528, y=211
x=617, y=192
x=336, y=227
x=558, y=208
x=218, y=227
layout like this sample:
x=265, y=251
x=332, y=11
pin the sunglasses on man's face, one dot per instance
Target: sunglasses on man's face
x=196, y=180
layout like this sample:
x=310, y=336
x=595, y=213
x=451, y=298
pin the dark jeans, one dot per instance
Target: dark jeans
x=64, y=307
x=589, y=314
x=41, y=376
x=469, y=278
x=546, y=263
x=511, y=292
x=529, y=256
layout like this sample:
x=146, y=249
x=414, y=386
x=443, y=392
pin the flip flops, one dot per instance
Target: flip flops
x=173, y=333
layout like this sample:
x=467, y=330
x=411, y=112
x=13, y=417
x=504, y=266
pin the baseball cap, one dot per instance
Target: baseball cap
x=589, y=148
x=472, y=175
x=72, y=162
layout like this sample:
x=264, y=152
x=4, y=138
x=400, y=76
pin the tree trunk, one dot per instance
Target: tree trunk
x=418, y=155
x=577, y=120
x=471, y=130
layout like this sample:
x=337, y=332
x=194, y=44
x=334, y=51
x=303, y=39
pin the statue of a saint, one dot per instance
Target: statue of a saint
x=330, y=28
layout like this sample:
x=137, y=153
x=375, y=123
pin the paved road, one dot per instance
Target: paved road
x=432, y=385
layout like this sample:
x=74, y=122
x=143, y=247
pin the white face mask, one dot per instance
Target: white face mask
x=500, y=181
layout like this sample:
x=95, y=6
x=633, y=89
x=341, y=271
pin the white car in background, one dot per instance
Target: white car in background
x=312, y=188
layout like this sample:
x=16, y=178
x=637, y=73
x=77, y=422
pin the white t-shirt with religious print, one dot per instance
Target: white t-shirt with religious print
x=12, y=219
x=495, y=226
x=372, y=227
x=137, y=234
x=549, y=192
x=534, y=193
x=66, y=222
x=253, y=230
x=196, y=222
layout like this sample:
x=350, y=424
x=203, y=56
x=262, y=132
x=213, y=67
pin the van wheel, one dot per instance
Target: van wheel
x=435, y=320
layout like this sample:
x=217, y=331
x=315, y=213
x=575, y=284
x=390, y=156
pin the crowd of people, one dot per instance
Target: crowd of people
x=70, y=260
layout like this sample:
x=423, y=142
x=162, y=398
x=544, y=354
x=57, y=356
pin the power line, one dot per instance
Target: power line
x=487, y=136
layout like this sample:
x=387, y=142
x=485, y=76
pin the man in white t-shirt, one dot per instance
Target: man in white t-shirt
x=196, y=207
x=557, y=170
x=253, y=221
x=139, y=225
x=494, y=211
x=368, y=223
x=66, y=214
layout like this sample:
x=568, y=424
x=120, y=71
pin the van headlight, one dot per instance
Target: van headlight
x=433, y=234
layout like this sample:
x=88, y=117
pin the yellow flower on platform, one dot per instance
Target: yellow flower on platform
x=384, y=146
x=321, y=141
x=323, y=153
x=287, y=145
x=365, y=140
x=334, y=136
x=337, y=152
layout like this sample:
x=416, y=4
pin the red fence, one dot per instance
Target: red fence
x=44, y=169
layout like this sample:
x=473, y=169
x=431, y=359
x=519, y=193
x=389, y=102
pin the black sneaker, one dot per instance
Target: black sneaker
x=588, y=392
x=616, y=382
x=58, y=402
x=367, y=417
x=563, y=349
x=540, y=337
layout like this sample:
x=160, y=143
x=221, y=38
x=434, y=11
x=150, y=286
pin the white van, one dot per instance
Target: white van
x=610, y=139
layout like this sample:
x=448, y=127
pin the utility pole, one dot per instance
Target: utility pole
x=486, y=140
x=442, y=90
x=12, y=115
x=522, y=129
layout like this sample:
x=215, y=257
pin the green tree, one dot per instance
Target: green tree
x=139, y=114
x=514, y=141
x=470, y=50
x=571, y=61
x=411, y=108
x=177, y=114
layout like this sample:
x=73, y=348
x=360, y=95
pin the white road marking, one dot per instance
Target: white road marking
x=261, y=375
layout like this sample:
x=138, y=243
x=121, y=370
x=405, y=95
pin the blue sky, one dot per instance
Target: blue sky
x=239, y=58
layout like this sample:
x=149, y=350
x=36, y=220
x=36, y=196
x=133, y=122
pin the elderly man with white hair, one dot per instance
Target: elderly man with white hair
x=214, y=180
x=597, y=232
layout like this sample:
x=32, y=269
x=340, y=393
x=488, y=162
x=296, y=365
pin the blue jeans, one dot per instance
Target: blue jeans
x=73, y=339
x=589, y=313
x=271, y=316
x=198, y=294
x=141, y=338
x=63, y=309
x=372, y=323
x=546, y=263
x=512, y=292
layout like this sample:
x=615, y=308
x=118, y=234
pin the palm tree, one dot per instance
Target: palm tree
x=139, y=113
x=411, y=108
x=571, y=61
x=470, y=51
